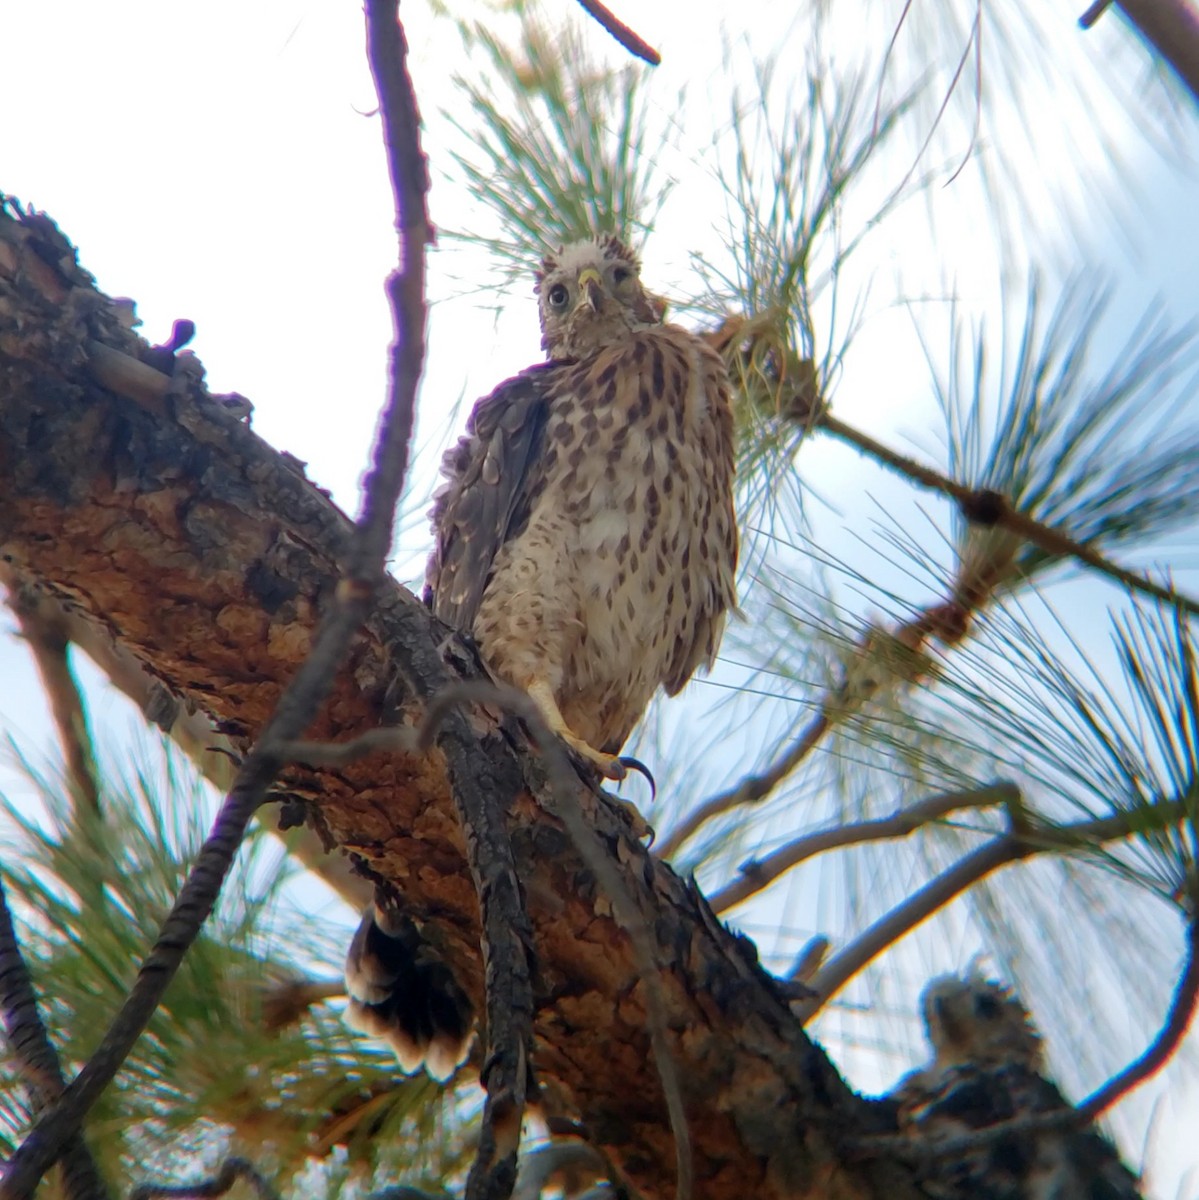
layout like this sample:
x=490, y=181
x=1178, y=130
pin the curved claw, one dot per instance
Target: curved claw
x=635, y=764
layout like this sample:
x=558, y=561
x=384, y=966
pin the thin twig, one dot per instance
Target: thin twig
x=37, y=1057
x=1019, y=843
x=300, y=703
x=751, y=790
x=759, y=873
x=986, y=507
x=1172, y=28
x=232, y=1169
x=631, y=41
x=46, y=636
x=478, y=794
x=1162, y=1048
x=1160, y=1051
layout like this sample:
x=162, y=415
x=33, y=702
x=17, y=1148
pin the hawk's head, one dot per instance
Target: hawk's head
x=590, y=295
x=978, y=1021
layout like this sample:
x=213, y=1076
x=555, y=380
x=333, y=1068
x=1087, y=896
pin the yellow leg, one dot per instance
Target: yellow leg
x=608, y=765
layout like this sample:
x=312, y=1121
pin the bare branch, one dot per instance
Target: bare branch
x=1162, y=1048
x=631, y=41
x=757, y=874
x=1093, y=13
x=1024, y=841
x=38, y=1059
x=751, y=790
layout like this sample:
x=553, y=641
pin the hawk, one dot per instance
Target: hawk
x=988, y=1067
x=585, y=537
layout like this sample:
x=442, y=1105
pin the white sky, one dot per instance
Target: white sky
x=217, y=162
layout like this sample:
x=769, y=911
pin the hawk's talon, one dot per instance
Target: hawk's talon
x=635, y=764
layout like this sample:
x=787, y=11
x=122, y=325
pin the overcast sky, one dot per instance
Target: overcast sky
x=219, y=162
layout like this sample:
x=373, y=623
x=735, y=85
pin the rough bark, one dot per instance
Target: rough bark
x=156, y=513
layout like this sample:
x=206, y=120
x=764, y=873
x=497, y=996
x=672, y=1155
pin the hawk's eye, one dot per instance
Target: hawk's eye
x=986, y=1006
x=558, y=296
x=621, y=275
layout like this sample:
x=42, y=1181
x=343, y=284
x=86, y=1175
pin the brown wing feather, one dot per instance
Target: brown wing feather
x=489, y=476
x=715, y=585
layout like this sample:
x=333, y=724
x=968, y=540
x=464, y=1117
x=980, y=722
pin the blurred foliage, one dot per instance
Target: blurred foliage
x=223, y=1067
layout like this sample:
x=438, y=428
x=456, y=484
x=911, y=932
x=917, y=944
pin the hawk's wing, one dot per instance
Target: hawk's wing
x=484, y=501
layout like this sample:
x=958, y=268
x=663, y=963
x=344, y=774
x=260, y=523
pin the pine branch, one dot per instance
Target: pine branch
x=1022, y=841
x=758, y=874
x=212, y=753
x=989, y=508
x=37, y=1057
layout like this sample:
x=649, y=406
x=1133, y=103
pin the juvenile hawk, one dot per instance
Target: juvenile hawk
x=988, y=1067
x=585, y=532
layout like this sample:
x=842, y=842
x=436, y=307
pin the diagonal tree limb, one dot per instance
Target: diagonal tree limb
x=37, y=1057
x=441, y=703
x=300, y=702
x=760, y=873
x=1020, y=842
x=751, y=790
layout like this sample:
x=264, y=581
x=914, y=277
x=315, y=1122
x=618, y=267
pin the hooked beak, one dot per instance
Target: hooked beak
x=591, y=289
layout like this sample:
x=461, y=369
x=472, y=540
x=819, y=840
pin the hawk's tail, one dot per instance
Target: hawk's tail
x=403, y=992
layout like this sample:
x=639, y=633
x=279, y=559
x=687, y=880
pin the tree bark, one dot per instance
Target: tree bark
x=150, y=508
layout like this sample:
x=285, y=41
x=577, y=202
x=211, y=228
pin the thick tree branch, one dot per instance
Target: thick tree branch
x=209, y=556
x=210, y=751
